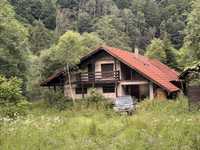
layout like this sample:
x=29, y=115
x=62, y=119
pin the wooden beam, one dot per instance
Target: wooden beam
x=82, y=90
x=115, y=69
x=151, y=93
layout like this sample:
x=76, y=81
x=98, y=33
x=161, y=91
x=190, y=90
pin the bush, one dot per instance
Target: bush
x=96, y=99
x=178, y=106
x=57, y=100
x=12, y=102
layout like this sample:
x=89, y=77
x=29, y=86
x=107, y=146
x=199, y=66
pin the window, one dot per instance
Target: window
x=79, y=90
x=107, y=70
x=109, y=88
x=107, y=67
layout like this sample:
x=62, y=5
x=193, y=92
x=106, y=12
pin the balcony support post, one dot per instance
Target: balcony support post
x=93, y=80
x=82, y=90
x=115, y=76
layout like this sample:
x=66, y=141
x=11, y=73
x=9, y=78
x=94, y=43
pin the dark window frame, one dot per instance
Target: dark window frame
x=108, y=88
x=78, y=90
x=107, y=64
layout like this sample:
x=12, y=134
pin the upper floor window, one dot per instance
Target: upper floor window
x=107, y=70
x=107, y=67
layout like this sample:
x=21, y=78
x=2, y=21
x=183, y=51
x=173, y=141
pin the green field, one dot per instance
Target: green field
x=155, y=126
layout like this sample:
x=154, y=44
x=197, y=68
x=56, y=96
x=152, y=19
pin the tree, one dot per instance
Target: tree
x=13, y=43
x=111, y=32
x=40, y=37
x=30, y=10
x=12, y=102
x=123, y=4
x=191, y=49
x=173, y=19
x=84, y=23
x=163, y=51
x=68, y=50
x=171, y=52
x=156, y=50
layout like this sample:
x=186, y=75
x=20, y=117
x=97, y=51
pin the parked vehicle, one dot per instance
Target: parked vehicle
x=125, y=104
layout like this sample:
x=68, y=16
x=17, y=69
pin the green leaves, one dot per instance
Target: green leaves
x=110, y=31
x=70, y=47
x=13, y=43
x=12, y=102
x=163, y=51
x=156, y=50
x=40, y=38
x=192, y=39
x=10, y=90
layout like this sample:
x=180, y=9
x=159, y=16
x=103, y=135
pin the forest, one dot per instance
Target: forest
x=37, y=37
x=34, y=33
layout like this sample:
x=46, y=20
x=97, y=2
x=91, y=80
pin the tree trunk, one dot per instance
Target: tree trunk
x=70, y=84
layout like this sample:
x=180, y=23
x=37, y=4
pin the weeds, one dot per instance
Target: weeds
x=156, y=125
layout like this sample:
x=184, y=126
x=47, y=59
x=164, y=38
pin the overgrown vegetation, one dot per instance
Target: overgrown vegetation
x=155, y=125
x=12, y=102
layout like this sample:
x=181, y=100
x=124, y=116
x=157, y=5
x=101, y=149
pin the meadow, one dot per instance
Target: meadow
x=154, y=126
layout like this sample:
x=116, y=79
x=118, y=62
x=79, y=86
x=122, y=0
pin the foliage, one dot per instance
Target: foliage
x=190, y=52
x=96, y=99
x=68, y=50
x=163, y=51
x=155, y=50
x=108, y=28
x=40, y=37
x=56, y=100
x=13, y=43
x=30, y=11
x=156, y=125
x=33, y=88
x=12, y=103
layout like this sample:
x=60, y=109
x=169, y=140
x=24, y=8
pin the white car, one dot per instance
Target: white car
x=125, y=104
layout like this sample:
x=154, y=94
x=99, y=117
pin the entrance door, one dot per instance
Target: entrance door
x=133, y=90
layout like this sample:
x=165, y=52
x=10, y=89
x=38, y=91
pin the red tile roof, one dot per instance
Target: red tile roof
x=153, y=70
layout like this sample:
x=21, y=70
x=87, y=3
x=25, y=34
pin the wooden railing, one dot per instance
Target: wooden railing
x=97, y=76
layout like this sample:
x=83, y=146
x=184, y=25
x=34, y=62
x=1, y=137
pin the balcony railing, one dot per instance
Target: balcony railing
x=98, y=76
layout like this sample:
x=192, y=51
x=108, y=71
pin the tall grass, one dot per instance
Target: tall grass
x=155, y=126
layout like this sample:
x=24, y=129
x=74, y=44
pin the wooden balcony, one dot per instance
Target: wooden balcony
x=98, y=77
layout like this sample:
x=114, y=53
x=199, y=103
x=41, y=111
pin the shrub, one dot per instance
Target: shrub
x=96, y=99
x=57, y=100
x=178, y=106
x=12, y=102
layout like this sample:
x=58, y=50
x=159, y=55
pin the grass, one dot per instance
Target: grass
x=155, y=125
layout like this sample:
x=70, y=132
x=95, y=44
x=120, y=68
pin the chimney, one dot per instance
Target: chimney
x=136, y=50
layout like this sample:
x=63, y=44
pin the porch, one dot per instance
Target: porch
x=137, y=89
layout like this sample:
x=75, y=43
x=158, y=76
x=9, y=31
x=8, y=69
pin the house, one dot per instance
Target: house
x=115, y=72
x=190, y=78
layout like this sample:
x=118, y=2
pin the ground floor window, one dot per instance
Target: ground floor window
x=79, y=90
x=109, y=88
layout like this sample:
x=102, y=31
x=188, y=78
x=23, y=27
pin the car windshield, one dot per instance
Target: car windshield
x=124, y=100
